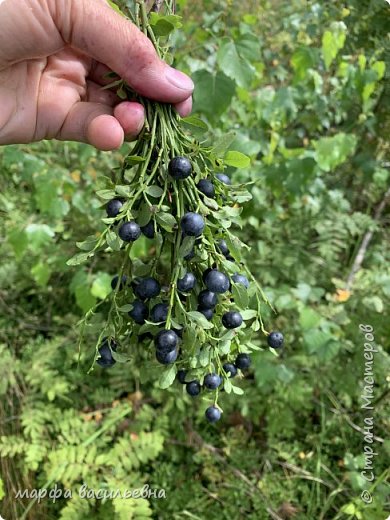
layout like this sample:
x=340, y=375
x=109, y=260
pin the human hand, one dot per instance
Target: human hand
x=53, y=58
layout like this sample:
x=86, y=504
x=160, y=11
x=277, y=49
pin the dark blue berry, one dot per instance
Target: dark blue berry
x=106, y=360
x=139, y=312
x=181, y=376
x=192, y=224
x=206, y=187
x=207, y=313
x=148, y=230
x=212, y=381
x=159, y=313
x=187, y=283
x=205, y=273
x=232, y=320
x=193, y=388
x=275, y=339
x=217, y=282
x=180, y=168
x=207, y=299
x=115, y=280
x=240, y=278
x=223, y=178
x=229, y=367
x=166, y=340
x=213, y=414
x=166, y=358
x=222, y=246
x=129, y=231
x=243, y=361
x=147, y=288
x=114, y=207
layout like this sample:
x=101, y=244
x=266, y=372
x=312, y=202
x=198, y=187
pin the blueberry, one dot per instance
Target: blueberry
x=192, y=224
x=222, y=246
x=159, y=313
x=205, y=273
x=229, y=367
x=232, y=319
x=106, y=360
x=224, y=178
x=139, y=312
x=206, y=187
x=187, y=283
x=213, y=414
x=193, y=388
x=148, y=230
x=217, y=282
x=212, y=381
x=166, y=341
x=114, y=207
x=240, y=278
x=275, y=339
x=207, y=313
x=166, y=358
x=181, y=376
x=129, y=231
x=147, y=288
x=207, y=299
x=115, y=280
x=180, y=168
x=243, y=361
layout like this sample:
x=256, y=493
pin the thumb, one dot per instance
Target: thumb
x=95, y=29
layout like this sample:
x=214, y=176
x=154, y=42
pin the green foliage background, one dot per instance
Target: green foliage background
x=305, y=86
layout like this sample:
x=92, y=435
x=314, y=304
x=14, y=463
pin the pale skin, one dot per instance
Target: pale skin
x=54, y=55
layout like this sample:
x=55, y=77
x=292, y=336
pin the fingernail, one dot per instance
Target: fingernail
x=179, y=79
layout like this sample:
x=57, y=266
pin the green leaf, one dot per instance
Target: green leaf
x=166, y=221
x=227, y=385
x=101, y=286
x=132, y=160
x=213, y=93
x=309, y=318
x=41, y=273
x=113, y=240
x=237, y=390
x=186, y=246
x=88, y=244
x=237, y=159
x=144, y=215
x=78, y=259
x=302, y=60
x=164, y=25
x=222, y=144
x=126, y=308
x=196, y=122
x=240, y=295
x=167, y=377
x=333, y=41
x=234, y=66
x=154, y=191
x=106, y=194
x=199, y=319
x=333, y=151
x=123, y=190
x=248, y=314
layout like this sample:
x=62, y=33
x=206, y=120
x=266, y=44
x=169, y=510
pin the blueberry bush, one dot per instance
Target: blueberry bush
x=120, y=354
